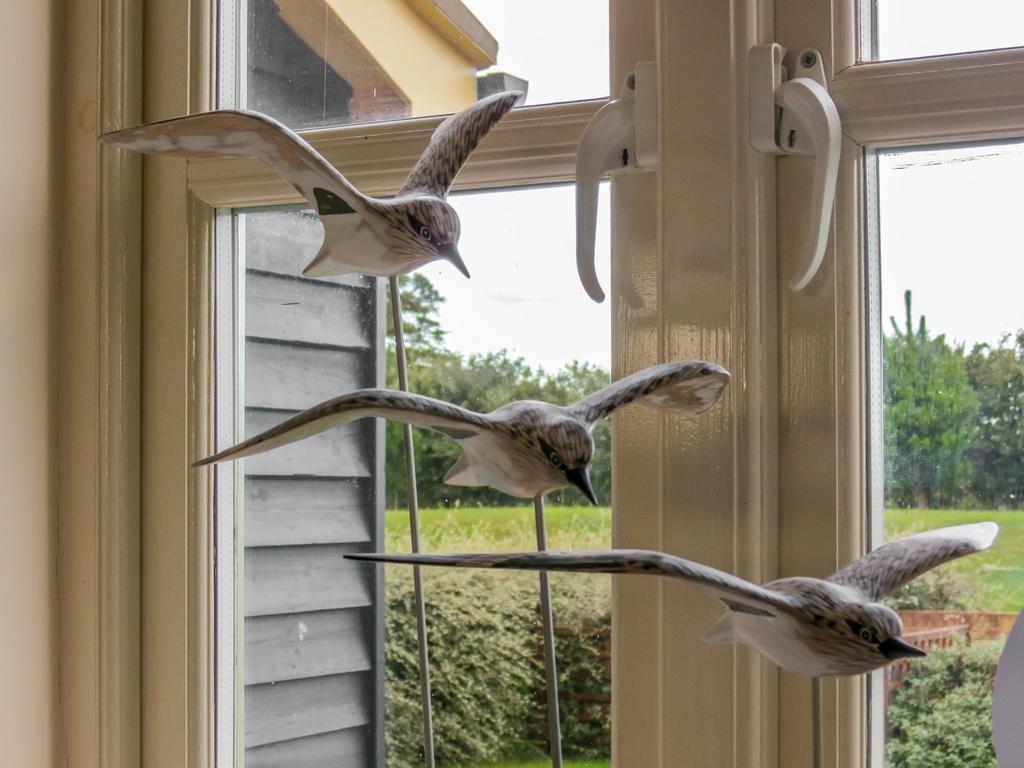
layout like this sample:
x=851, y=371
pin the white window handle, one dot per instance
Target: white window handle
x=621, y=138
x=798, y=117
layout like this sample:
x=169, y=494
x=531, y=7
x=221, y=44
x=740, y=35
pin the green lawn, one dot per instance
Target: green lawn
x=1002, y=567
x=502, y=521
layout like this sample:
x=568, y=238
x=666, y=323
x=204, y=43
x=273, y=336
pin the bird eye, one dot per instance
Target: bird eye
x=555, y=459
x=421, y=229
x=866, y=635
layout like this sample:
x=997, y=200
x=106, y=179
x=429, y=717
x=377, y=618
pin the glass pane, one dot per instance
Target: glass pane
x=313, y=622
x=951, y=332
x=326, y=650
x=907, y=29
x=521, y=328
x=332, y=62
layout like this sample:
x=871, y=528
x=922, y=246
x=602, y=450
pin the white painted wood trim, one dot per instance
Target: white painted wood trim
x=532, y=145
x=821, y=443
x=969, y=96
x=694, y=276
x=177, y=589
x=100, y=357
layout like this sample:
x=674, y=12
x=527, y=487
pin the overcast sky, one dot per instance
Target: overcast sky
x=520, y=246
x=951, y=224
x=950, y=220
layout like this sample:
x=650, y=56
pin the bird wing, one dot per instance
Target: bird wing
x=458, y=423
x=737, y=593
x=452, y=143
x=892, y=565
x=247, y=134
x=688, y=385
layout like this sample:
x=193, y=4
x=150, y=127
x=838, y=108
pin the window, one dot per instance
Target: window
x=948, y=408
x=909, y=29
x=896, y=214
x=775, y=482
x=318, y=657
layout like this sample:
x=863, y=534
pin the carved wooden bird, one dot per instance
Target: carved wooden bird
x=817, y=627
x=362, y=234
x=525, y=448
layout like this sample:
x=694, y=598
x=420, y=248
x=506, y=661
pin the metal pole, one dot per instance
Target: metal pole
x=817, y=757
x=402, y=364
x=547, y=619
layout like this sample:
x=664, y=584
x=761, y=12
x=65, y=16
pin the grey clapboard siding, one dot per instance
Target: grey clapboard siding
x=306, y=511
x=289, y=309
x=314, y=638
x=302, y=645
x=297, y=708
x=338, y=452
x=292, y=579
x=286, y=377
x=342, y=749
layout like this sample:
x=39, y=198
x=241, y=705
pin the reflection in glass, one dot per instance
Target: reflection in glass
x=315, y=63
x=907, y=29
x=952, y=399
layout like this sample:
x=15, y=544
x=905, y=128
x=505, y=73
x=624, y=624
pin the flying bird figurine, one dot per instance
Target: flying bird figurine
x=362, y=234
x=525, y=448
x=817, y=627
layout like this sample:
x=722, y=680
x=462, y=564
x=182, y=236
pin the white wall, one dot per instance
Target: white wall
x=29, y=232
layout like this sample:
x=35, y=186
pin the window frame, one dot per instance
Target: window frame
x=773, y=482
x=155, y=700
x=825, y=329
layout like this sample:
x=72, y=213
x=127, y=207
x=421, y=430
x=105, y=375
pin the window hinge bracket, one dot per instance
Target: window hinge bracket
x=621, y=138
x=798, y=117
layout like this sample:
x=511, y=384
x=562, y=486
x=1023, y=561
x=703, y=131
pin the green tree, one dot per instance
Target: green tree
x=420, y=304
x=929, y=416
x=997, y=452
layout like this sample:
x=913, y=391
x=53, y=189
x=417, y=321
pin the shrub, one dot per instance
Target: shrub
x=944, y=589
x=941, y=716
x=487, y=671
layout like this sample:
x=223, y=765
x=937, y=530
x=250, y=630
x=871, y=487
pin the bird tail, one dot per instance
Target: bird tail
x=463, y=472
x=320, y=266
x=723, y=632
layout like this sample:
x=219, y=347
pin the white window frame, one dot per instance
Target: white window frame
x=824, y=360
x=772, y=482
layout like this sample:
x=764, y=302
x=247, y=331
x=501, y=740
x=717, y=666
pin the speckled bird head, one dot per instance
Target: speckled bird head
x=846, y=634
x=565, y=446
x=421, y=229
x=874, y=633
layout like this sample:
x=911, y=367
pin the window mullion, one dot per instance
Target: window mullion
x=937, y=99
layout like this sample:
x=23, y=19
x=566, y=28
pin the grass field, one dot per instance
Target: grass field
x=504, y=524
x=1001, y=568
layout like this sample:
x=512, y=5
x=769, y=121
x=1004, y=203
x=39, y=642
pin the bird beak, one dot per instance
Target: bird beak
x=895, y=648
x=581, y=479
x=451, y=253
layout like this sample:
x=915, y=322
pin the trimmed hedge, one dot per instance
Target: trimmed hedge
x=941, y=715
x=486, y=666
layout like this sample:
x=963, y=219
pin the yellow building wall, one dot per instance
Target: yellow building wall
x=29, y=227
x=434, y=76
